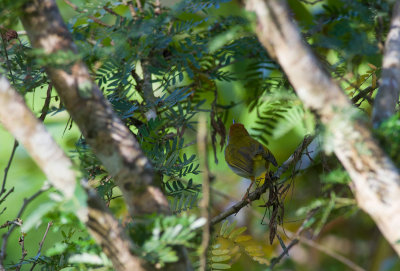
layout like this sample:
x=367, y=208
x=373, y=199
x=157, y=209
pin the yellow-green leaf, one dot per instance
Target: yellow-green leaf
x=261, y=260
x=220, y=258
x=243, y=238
x=220, y=266
x=218, y=252
x=237, y=232
x=229, y=229
x=223, y=228
x=254, y=249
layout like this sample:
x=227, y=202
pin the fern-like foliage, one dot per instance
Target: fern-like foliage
x=184, y=197
x=157, y=239
x=229, y=244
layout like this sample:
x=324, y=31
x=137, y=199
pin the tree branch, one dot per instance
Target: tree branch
x=389, y=89
x=111, y=141
x=109, y=138
x=375, y=180
x=205, y=202
x=31, y=133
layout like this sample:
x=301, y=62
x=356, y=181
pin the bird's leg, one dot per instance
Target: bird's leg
x=246, y=196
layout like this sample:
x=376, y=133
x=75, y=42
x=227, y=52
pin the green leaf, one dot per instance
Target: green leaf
x=223, y=228
x=237, y=232
x=221, y=258
x=229, y=229
x=218, y=252
x=222, y=266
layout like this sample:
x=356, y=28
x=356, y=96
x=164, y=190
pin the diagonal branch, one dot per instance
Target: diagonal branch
x=111, y=141
x=31, y=133
x=109, y=138
x=389, y=89
x=375, y=180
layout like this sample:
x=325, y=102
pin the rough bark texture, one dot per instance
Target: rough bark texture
x=375, y=180
x=389, y=87
x=32, y=134
x=109, y=138
x=16, y=117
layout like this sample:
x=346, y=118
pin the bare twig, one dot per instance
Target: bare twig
x=139, y=5
x=311, y=2
x=147, y=87
x=46, y=105
x=157, y=7
x=3, y=253
x=77, y=9
x=276, y=260
x=3, y=189
x=21, y=242
x=331, y=253
x=132, y=9
x=41, y=245
x=205, y=202
x=4, y=42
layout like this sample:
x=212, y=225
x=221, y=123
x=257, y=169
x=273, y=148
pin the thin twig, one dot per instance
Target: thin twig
x=41, y=245
x=46, y=105
x=77, y=9
x=11, y=229
x=21, y=241
x=132, y=9
x=6, y=195
x=296, y=156
x=311, y=2
x=3, y=39
x=205, y=202
x=139, y=5
x=279, y=258
x=3, y=189
x=157, y=7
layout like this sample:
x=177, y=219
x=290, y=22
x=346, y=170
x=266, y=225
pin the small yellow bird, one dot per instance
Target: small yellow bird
x=246, y=156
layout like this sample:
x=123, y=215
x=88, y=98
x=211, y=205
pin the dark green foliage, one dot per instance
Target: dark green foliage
x=389, y=136
x=161, y=233
x=184, y=197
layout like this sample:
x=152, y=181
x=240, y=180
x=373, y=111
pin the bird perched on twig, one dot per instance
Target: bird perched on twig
x=246, y=156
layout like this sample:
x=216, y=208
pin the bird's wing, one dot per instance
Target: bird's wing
x=240, y=161
x=265, y=153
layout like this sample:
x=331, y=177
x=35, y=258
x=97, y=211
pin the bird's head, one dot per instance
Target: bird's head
x=237, y=131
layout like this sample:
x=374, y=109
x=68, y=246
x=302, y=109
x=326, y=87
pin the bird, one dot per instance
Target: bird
x=246, y=156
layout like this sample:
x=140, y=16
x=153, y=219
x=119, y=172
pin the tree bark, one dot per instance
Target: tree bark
x=375, y=180
x=32, y=134
x=109, y=138
x=389, y=87
x=111, y=141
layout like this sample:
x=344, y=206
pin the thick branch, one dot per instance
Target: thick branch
x=388, y=93
x=27, y=129
x=376, y=181
x=31, y=133
x=108, y=137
